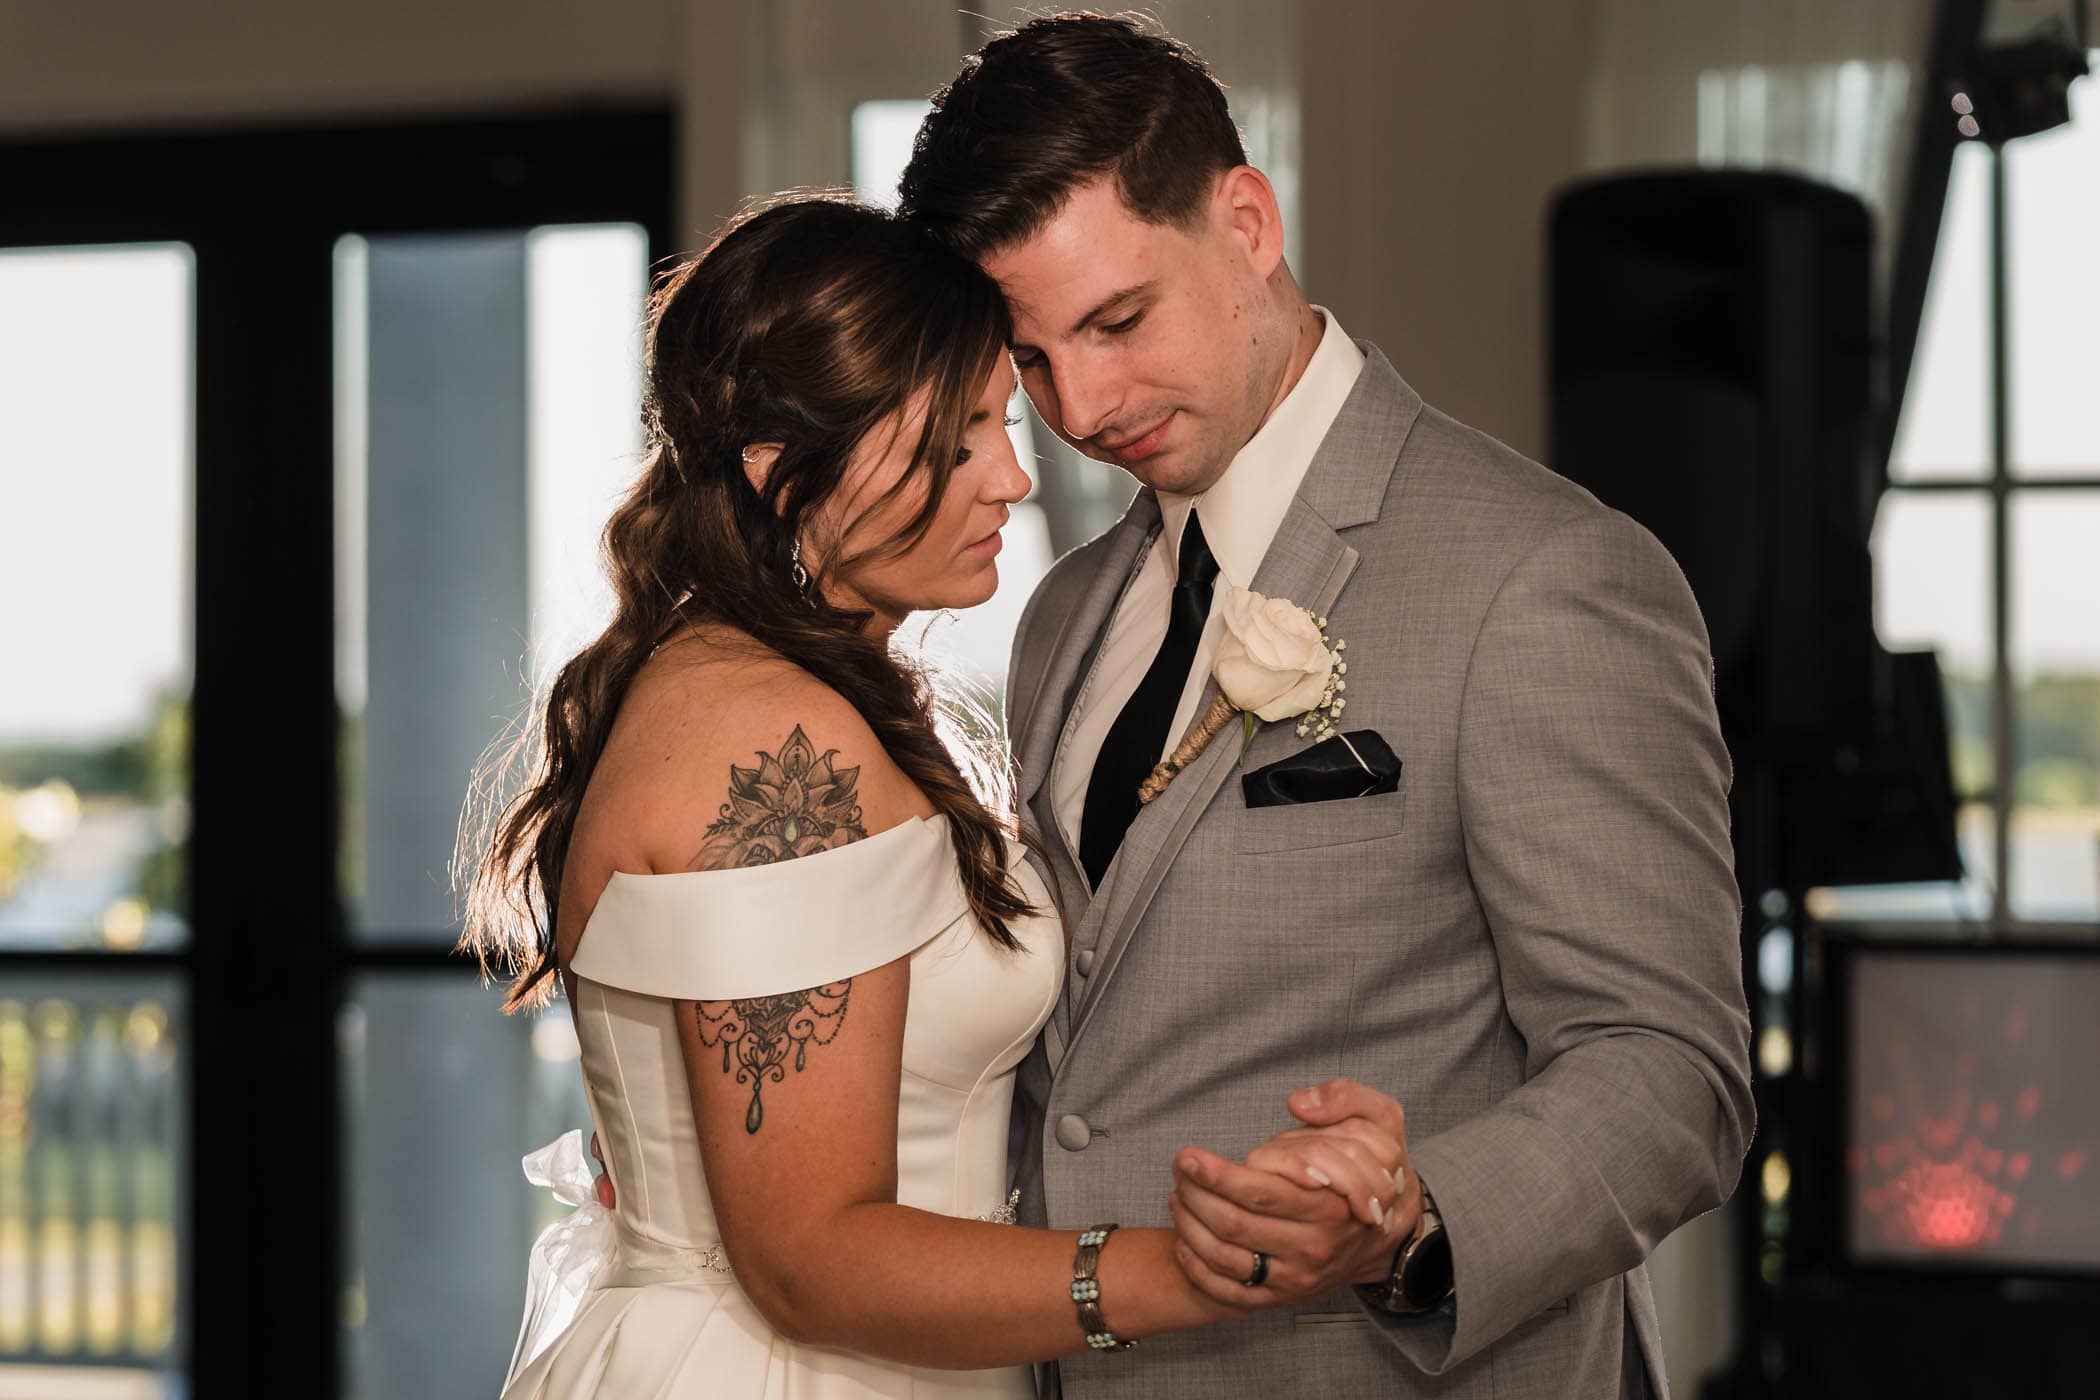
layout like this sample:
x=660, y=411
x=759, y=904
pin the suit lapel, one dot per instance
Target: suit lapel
x=1044, y=715
x=1308, y=563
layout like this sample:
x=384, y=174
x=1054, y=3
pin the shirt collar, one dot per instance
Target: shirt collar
x=1243, y=508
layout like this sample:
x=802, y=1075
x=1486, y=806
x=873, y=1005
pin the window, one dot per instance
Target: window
x=96, y=631
x=94, y=807
x=488, y=415
x=260, y=1129
x=1997, y=563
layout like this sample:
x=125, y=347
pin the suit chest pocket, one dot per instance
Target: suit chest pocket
x=1351, y=821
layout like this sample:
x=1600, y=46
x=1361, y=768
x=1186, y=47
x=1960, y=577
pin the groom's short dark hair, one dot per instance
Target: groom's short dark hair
x=1065, y=99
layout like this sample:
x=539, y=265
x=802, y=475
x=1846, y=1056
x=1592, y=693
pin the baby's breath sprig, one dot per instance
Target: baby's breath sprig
x=1320, y=720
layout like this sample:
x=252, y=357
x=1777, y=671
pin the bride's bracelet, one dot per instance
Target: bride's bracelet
x=1086, y=1291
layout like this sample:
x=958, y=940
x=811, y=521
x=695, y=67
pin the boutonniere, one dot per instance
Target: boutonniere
x=1275, y=662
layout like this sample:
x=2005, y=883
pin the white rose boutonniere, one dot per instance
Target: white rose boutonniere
x=1275, y=662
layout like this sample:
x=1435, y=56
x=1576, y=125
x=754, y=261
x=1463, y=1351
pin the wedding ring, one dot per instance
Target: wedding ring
x=1261, y=1271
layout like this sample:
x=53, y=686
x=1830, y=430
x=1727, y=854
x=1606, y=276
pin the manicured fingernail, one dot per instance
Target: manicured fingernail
x=1312, y=1099
x=1319, y=1176
x=1399, y=1181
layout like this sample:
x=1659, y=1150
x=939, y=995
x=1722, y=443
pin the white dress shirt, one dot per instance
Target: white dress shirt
x=1241, y=513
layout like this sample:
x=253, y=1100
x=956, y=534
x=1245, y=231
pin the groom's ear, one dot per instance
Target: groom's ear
x=1248, y=202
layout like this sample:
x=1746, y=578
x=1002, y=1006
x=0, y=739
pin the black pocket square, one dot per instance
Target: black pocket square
x=1356, y=764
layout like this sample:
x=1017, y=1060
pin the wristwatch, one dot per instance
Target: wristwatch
x=1422, y=1274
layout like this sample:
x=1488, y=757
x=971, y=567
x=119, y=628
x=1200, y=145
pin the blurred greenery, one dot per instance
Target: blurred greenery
x=2057, y=742
x=148, y=769
x=2056, y=738
x=15, y=847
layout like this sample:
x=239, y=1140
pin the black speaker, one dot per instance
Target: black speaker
x=1712, y=375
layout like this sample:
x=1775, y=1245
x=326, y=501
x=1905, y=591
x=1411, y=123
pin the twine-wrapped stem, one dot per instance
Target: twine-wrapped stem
x=1193, y=743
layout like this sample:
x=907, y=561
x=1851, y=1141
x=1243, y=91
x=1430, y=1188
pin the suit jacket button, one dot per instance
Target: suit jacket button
x=1073, y=1134
x=1086, y=961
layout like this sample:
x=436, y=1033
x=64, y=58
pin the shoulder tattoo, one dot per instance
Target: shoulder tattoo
x=794, y=803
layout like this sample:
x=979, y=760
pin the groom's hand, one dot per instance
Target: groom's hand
x=1328, y=1204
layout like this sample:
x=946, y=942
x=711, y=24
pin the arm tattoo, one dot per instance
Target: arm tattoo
x=759, y=1030
x=793, y=804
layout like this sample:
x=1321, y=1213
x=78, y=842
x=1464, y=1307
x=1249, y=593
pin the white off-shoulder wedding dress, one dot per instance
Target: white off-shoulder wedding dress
x=641, y=1301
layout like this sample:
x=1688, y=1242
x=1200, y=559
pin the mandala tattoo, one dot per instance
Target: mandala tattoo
x=793, y=804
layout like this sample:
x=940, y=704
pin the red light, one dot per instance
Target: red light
x=1946, y=1206
x=1962, y=1143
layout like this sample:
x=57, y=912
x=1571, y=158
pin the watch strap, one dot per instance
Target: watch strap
x=1426, y=1250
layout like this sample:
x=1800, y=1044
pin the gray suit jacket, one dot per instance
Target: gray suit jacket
x=1532, y=944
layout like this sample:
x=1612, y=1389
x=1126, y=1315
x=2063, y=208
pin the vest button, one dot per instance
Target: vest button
x=1073, y=1134
x=1086, y=961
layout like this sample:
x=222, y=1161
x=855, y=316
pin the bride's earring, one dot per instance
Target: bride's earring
x=795, y=570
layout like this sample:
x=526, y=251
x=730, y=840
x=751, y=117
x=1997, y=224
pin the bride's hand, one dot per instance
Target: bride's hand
x=1349, y=1159
x=1354, y=1155
x=1309, y=1235
x=605, y=1186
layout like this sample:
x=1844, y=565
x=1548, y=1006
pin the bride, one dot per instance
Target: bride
x=803, y=945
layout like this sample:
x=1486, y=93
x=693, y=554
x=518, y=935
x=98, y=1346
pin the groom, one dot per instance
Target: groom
x=1505, y=903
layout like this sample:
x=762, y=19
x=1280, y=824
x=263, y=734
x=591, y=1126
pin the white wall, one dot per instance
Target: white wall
x=1432, y=133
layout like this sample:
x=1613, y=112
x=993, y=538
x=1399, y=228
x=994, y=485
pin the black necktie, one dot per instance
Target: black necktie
x=1138, y=736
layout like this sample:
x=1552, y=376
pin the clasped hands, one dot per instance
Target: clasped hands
x=1328, y=1203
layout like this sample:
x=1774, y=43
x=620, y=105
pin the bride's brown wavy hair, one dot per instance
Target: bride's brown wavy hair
x=812, y=322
